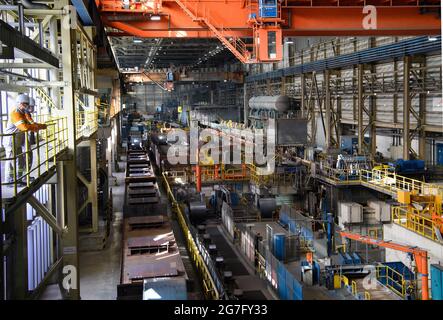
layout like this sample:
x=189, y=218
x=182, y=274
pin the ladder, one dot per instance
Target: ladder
x=234, y=44
x=44, y=97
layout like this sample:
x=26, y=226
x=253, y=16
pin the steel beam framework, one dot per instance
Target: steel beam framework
x=72, y=90
x=364, y=86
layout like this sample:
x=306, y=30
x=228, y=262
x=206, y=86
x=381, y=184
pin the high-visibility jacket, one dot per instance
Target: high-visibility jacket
x=21, y=120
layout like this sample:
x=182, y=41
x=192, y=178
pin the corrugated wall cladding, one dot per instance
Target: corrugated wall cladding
x=385, y=77
x=147, y=97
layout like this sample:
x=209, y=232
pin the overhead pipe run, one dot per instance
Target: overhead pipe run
x=29, y=4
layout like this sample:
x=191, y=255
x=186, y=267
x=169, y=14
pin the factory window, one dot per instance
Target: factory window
x=272, y=44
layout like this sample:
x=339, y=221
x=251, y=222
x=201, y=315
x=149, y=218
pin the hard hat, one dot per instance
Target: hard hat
x=31, y=102
x=22, y=98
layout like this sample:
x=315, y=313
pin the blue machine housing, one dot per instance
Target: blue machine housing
x=280, y=246
x=437, y=282
x=409, y=166
x=267, y=9
x=393, y=279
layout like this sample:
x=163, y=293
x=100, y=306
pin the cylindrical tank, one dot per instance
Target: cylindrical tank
x=276, y=103
x=280, y=246
x=197, y=210
x=267, y=206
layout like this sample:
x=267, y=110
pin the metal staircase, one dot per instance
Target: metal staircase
x=45, y=98
x=234, y=44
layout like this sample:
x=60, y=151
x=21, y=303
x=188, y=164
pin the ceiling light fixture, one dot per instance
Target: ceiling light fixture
x=155, y=18
x=137, y=40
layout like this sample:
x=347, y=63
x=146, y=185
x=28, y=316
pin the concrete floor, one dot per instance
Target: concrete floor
x=100, y=270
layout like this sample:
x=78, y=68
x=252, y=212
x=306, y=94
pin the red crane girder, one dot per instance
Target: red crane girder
x=420, y=255
x=302, y=18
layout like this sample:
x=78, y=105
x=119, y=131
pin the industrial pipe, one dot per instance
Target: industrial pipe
x=421, y=260
x=198, y=177
x=29, y=4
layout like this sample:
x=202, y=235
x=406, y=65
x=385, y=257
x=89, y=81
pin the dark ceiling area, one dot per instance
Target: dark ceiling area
x=132, y=52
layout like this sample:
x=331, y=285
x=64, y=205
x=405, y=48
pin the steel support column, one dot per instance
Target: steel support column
x=421, y=125
x=70, y=239
x=406, y=107
x=328, y=112
x=92, y=188
x=245, y=104
x=19, y=268
x=360, y=105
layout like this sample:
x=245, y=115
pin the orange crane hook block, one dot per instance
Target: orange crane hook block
x=420, y=256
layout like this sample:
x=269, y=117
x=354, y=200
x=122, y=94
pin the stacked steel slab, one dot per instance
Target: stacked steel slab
x=150, y=255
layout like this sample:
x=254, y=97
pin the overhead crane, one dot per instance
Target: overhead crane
x=420, y=256
x=266, y=22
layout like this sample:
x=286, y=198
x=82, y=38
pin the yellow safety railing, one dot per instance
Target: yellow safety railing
x=86, y=123
x=415, y=220
x=220, y=172
x=27, y=162
x=344, y=280
x=281, y=179
x=367, y=295
x=392, y=182
x=354, y=288
x=339, y=176
x=390, y=277
x=210, y=289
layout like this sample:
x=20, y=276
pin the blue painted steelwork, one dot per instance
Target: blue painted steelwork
x=440, y=154
x=437, y=282
x=295, y=227
x=419, y=45
x=83, y=12
x=315, y=273
x=393, y=279
x=267, y=8
x=408, y=166
x=356, y=258
x=330, y=232
x=280, y=246
x=344, y=258
x=288, y=287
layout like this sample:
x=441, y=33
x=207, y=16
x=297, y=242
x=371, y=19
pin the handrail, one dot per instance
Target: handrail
x=416, y=221
x=86, y=123
x=35, y=159
x=389, y=276
x=208, y=283
x=393, y=182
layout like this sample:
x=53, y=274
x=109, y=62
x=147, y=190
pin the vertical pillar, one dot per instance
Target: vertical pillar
x=19, y=255
x=283, y=85
x=302, y=93
x=421, y=127
x=422, y=118
x=360, y=103
x=327, y=109
x=373, y=117
x=373, y=106
x=245, y=103
x=406, y=107
x=94, y=185
x=54, y=73
x=312, y=111
x=69, y=165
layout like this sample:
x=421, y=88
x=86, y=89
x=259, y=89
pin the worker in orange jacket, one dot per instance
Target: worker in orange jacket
x=20, y=121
